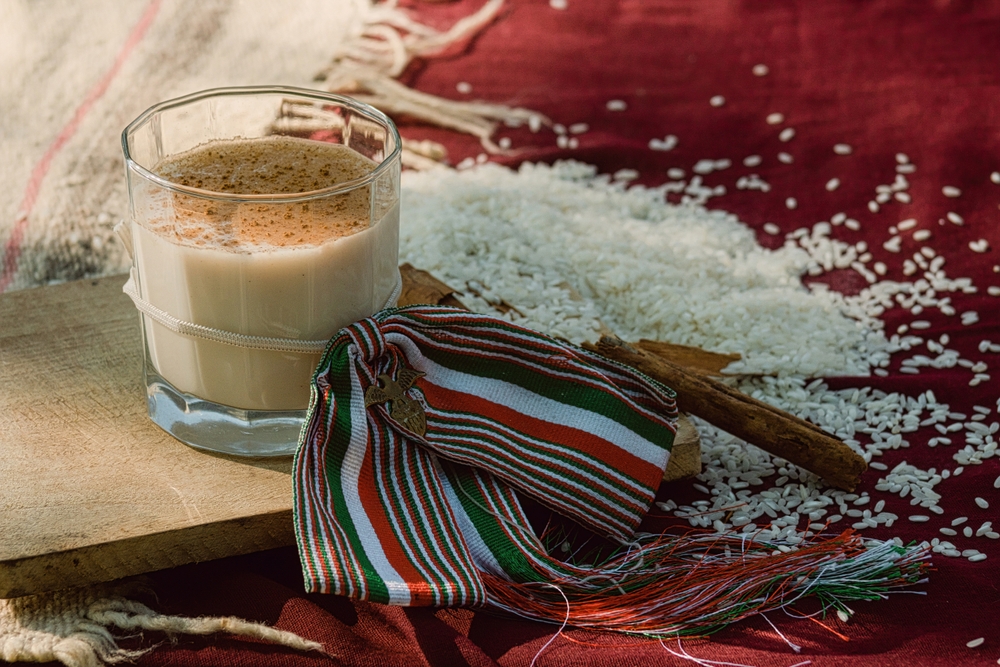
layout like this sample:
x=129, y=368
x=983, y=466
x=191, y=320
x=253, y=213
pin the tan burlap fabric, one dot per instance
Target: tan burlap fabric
x=78, y=627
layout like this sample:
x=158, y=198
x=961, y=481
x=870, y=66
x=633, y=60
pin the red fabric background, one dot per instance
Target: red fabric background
x=886, y=76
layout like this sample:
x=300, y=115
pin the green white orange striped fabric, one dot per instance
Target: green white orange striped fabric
x=386, y=515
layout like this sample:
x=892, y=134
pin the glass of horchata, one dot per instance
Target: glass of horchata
x=262, y=220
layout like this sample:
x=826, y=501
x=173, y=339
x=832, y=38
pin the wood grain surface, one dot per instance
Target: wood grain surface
x=90, y=489
x=685, y=457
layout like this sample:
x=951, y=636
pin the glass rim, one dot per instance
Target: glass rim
x=339, y=188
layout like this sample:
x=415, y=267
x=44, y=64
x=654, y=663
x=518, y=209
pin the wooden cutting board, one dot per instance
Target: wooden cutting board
x=90, y=489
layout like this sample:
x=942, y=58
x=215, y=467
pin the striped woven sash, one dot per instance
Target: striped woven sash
x=416, y=506
x=385, y=514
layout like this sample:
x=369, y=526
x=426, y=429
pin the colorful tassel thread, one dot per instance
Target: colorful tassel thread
x=693, y=583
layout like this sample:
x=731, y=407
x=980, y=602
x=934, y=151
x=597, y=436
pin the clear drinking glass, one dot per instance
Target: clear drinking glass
x=239, y=287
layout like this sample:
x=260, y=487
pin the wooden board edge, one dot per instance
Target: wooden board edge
x=685, y=457
x=115, y=560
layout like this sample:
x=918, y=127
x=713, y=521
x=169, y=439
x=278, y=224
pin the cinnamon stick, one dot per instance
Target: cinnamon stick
x=695, y=359
x=419, y=286
x=773, y=430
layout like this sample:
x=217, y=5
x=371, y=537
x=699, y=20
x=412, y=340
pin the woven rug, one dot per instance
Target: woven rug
x=79, y=627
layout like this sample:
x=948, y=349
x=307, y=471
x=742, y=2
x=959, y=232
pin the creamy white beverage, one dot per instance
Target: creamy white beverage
x=298, y=270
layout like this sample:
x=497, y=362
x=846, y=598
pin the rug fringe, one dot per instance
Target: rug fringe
x=383, y=43
x=74, y=627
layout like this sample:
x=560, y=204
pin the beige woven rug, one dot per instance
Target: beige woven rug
x=78, y=627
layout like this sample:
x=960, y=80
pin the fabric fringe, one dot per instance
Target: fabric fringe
x=693, y=583
x=698, y=583
x=382, y=43
x=74, y=627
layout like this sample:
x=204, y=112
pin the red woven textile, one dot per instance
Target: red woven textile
x=921, y=77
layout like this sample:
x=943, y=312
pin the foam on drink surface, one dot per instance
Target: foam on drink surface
x=300, y=269
x=277, y=165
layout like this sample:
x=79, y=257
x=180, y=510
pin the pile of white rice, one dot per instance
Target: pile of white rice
x=646, y=268
x=569, y=249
